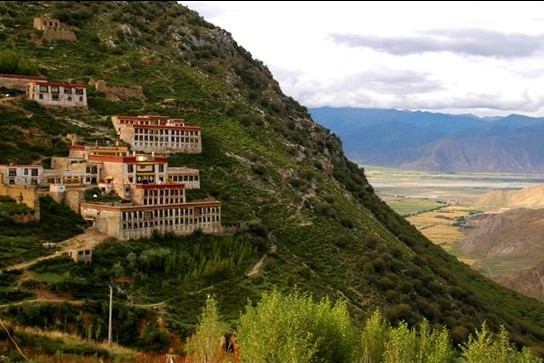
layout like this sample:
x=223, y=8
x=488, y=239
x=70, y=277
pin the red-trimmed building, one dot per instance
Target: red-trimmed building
x=154, y=202
x=57, y=94
x=158, y=133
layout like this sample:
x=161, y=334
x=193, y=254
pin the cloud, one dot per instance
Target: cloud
x=478, y=42
x=391, y=81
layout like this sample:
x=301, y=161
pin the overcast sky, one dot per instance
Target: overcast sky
x=485, y=58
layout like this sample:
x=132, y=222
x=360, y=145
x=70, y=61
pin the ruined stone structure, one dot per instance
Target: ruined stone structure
x=19, y=82
x=115, y=93
x=57, y=94
x=53, y=29
x=158, y=134
x=25, y=195
x=81, y=255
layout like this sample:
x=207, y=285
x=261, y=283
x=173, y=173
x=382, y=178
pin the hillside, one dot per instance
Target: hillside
x=287, y=190
x=437, y=142
x=528, y=282
x=514, y=233
x=529, y=197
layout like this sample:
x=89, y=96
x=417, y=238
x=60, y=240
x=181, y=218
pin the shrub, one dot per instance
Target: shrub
x=294, y=328
x=205, y=345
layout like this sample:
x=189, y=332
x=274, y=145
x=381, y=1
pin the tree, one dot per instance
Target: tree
x=489, y=347
x=294, y=328
x=13, y=63
x=205, y=345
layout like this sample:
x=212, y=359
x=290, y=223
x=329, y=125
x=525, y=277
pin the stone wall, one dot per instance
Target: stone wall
x=51, y=35
x=23, y=194
x=18, y=82
x=118, y=93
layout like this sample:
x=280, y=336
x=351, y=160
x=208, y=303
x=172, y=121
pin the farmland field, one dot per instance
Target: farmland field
x=436, y=203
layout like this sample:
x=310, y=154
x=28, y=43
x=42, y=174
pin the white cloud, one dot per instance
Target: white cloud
x=479, y=42
x=441, y=56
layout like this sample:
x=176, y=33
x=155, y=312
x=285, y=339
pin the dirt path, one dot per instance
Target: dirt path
x=257, y=267
x=91, y=238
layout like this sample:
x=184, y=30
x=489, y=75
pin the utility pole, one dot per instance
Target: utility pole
x=109, y=321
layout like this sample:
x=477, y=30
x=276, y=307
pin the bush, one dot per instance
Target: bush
x=488, y=347
x=205, y=345
x=294, y=328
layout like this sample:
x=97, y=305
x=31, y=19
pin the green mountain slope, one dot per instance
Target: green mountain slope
x=286, y=187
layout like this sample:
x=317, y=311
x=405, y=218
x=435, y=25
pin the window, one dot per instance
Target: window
x=54, y=89
x=34, y=172
x=130, y=168
x=26, y=171
x=44, y=89
x=12, y=172
x=68, y=90
x=55, y=97
x=12, y=181
x=80, y=98
x=70, y=98
x=41, y=97
x=79, y=91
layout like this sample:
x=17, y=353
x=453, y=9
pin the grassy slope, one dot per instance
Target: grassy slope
x=270, y=165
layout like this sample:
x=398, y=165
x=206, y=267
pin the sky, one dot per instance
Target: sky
x=484, y=58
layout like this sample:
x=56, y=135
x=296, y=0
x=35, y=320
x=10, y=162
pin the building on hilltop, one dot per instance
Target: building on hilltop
x=158, y=133
x=156, y=203
x=44, y=23
x=53, y=29
x=151, y=196
x=27, y=175
x=57, y=94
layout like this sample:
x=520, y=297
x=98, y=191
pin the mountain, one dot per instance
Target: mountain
x=437, y=142
x=529, y=197
x=298, y=214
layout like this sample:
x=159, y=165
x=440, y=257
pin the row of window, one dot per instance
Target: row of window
x=33, y=181
x=162, y=192
x=55, y=97
x=26, y=171
x=138, y=131
x=56, y=89
x=166, y=139
x=171, y=222
x=146, y=168
x=183, y=178
x=162, y=201
x=165, y=213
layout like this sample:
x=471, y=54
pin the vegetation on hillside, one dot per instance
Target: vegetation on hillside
x=289, y=195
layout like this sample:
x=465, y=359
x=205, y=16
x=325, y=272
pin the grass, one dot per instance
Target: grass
x=411, y=206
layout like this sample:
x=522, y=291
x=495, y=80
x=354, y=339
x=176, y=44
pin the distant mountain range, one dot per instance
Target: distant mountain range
x=437, y=142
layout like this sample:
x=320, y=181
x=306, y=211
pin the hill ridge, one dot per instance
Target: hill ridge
x=282, y=178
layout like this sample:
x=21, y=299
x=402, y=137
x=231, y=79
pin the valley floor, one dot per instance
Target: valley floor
x=439, y=205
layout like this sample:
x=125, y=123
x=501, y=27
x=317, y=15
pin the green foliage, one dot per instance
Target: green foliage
x=294, y=328
x=12, y=62
x=263, y=157
x=373, y=338
x=486, y=346
x=205, y=345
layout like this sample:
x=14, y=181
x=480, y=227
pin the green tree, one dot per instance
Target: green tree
x=294, y=328
x=373, y=338
x=13, y=63
x=486, y=346
x=205, y=345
